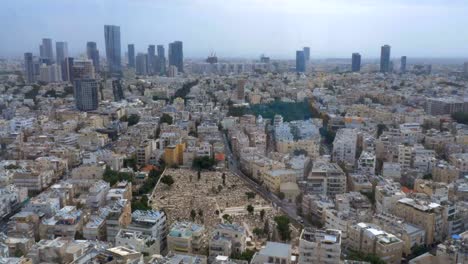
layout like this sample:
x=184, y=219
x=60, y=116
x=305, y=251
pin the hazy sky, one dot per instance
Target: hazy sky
x=244, y=28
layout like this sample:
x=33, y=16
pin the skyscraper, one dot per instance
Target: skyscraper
x=117, y=90
x=152, y=63
x=161, y=59
x=141, y=64
x=28, y=67
x=356, y=62
x=61, y=49
x=131, y=55
x=385, y=59
x=47, y=51
x=176, y=55
x=306, y=53
x=112, y=39
x=93, y=54
x=86, y=94
x=403, y=64
x=67, y=72
x=83, y=69
x=300, y=61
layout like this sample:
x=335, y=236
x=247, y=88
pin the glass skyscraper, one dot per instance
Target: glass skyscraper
x=93, y=54
x=385, y=59
x=356, y=62
x=131, y=55
x=113, y=55
x=176, y=55
x=300, y=61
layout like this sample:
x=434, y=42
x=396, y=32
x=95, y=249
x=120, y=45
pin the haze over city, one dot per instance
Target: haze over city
x=245, y=28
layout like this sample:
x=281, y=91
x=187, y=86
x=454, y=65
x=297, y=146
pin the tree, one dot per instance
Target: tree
x=220, y=188
x=246, y=255
x=200, y=212
x=133, y=119
x=250, y=195
x=257, y=231
x=224, y=178
x=460, y=117
x=299, y=199
x=203, y=163
x=380, y=129
x=281, y=195
x=282, y=225
x=227, y=218
x=262, y=214
x=166, y=118
x=168, y=180
x=250, y=209
x=193, y=214
x=198, y=175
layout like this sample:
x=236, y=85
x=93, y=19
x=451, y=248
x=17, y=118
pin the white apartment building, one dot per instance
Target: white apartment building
x=344, y=146
x=320, y=246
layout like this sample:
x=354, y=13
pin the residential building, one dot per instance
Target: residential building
x=273, y=252
x=153, y=225
x=344, y=146
x=325, y=178
x=371, y=239
x=227, y=239
x=320, y=246
x=186, y=237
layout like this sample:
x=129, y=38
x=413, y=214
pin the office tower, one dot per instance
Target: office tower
x=241, y=90
x=86, y=94
x=152, y=59
x=112, y=38
x=306, y=53
x=67, y=72
x=141, y=64
x=93, y=54
x=41, y=51
x=47, y=51
x=117, y=90
x=300, y=61
x=176, y=55
x=356, y=62
x=403, y=64
x=83, y=69
x=28, y=68
x=61, y=50
x=385, y=59
x=131, y=55
x=162, y=59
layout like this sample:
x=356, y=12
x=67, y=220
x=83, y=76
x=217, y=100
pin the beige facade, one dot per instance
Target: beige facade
x=371, y=239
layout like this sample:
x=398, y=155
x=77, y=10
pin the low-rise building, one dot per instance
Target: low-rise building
x=371, y=239
x=227, y=239
x=320, y=246
x=273, y=252
x=186, y=237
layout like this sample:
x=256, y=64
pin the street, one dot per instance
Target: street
x=287, y=208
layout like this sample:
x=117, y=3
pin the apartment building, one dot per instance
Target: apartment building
x=320, y=246
x=325, y=178
x=371, y=239
x=344, y=146
x=186, y=237
x=273, y=252
x=152, y=224
x=227, y=239
x=97, y=195
x=427, y=215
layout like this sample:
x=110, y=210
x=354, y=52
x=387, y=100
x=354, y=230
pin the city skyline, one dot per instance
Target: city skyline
x=207, y=26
